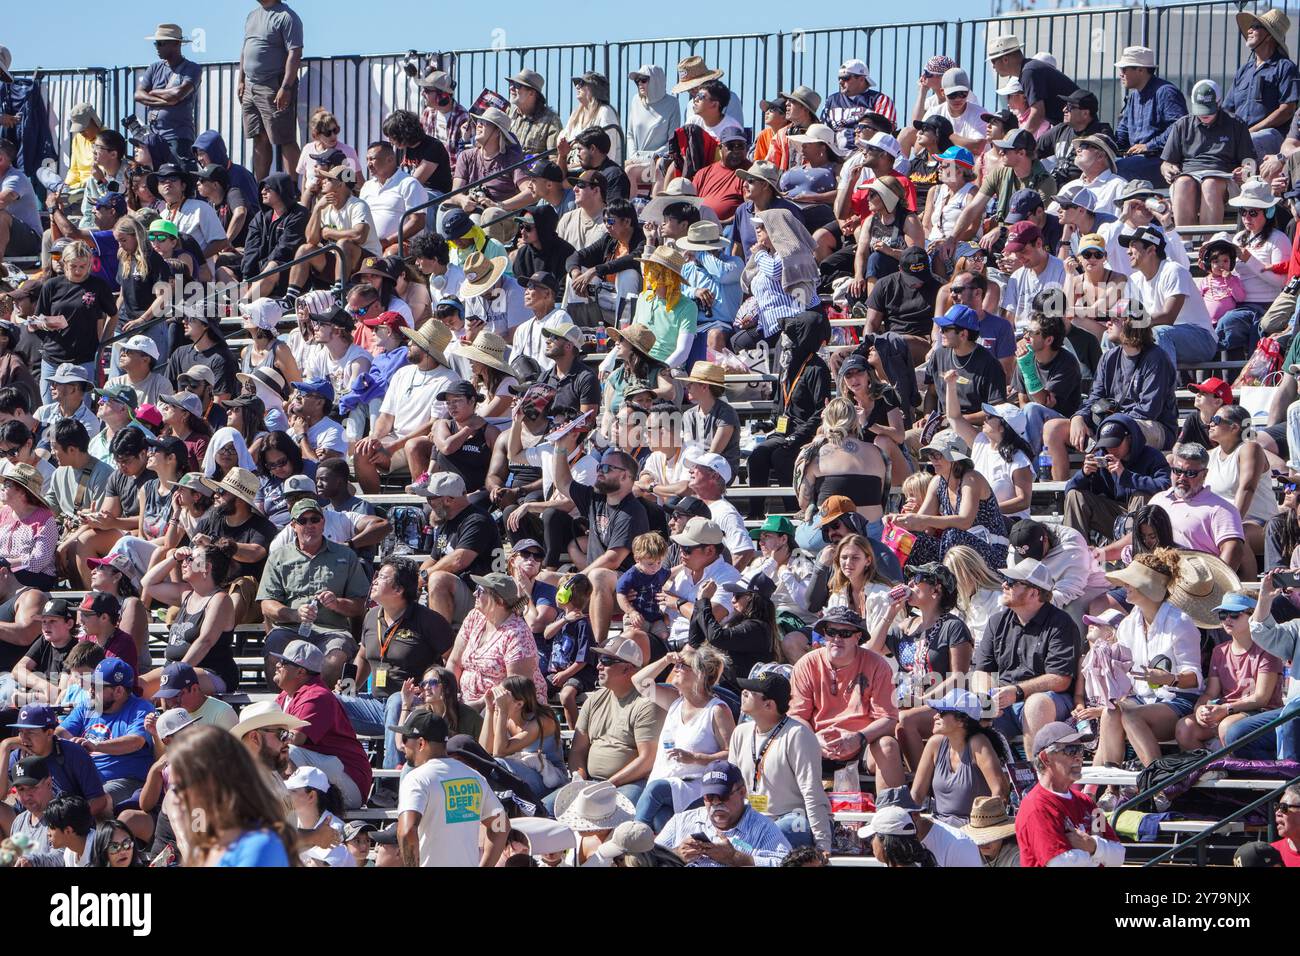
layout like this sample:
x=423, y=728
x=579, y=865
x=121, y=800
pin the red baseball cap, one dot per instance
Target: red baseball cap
x=1214, y=386
x=393, y=319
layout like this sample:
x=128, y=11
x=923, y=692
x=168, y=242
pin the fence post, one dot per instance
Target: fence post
x=780, y=61
x=1146, y=13
x=955, y=51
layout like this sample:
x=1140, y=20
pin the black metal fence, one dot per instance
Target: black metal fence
x=1191, y=41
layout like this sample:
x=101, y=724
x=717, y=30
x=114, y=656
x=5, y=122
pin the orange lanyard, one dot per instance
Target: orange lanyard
x=785, y=398
x=387, y=639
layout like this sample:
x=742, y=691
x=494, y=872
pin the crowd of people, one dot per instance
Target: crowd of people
x=715, y=456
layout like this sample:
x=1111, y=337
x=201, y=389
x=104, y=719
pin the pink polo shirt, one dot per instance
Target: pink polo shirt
x=1201, y=522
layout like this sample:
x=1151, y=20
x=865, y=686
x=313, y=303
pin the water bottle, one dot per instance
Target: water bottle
x=304, y=627
x=1045, y=465
x=1029, y=373
x=602, y=337
x=413, y=535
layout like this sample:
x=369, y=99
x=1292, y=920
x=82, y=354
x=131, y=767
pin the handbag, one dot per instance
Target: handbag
x=553, y=775
x=1256, y=399
x=1263, y=363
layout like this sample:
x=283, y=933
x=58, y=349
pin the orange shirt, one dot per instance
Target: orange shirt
x=860, y=694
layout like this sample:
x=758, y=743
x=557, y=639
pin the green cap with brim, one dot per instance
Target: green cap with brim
x=775, y=524
x=300, y=508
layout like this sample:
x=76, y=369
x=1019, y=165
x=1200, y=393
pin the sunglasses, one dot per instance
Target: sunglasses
x=958, y=96
x=606, y=469
x=431, y=683
x=1220, y=420
x=1286, y=807
x=10, y=453
x=1092, y=254
x=530, y=555
x=1251, y=213
x=281, y=735
x=159, y=236
x=1187, y=472
x=840, y=634
x=308, y=519
x=1289, y=487
x=1070, y=750
x=611, y=221
x=279, y=463
x=960, y=289
x=119, y=846
x=1230, y=615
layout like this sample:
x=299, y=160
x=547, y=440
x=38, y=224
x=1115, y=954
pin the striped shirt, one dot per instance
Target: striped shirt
x=753, y=834
x=774, y=303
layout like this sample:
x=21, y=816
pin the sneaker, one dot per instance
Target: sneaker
x=419, y=486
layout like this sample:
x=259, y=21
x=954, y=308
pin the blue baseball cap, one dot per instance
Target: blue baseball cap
x=114, y=672
x=1236, y=602
x=319, y=386
x=36, y=717
x=720, y=778
x=116, y=200
x=451, y=302
x=959, y=155
x=1024, y=204
x=962, y=316
x=176, y=677
x=456, y=223
x=958, y=701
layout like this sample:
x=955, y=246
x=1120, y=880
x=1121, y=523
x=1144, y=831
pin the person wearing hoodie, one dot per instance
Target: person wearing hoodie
x=1136, y=379
x=1119, y=473
x=152, y=151
x=275, y=234
x=540, y=249
x=804, y=390
x=210, y=149
x=652, y=116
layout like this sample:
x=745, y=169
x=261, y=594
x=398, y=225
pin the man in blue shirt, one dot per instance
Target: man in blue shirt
x=712, y=275
x=72, y=769
x=854, y=98
x=1150, y=108
x=111, y=728
x=20, y=217
x=737, y=834
x=1266, y=87
x=167, y=90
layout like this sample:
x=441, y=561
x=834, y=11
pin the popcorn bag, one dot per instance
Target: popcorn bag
x=898, y=540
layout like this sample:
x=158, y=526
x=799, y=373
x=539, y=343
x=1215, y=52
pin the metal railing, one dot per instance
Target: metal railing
x=1191, y=40
x=1140, y=798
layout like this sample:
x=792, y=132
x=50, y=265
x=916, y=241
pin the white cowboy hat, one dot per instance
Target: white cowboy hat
x=585, y=807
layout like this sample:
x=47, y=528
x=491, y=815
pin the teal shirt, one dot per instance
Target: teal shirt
x=667, y=324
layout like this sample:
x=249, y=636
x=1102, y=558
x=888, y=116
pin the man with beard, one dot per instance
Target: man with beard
x=233, y=517
x=466, y=542
x=1200, y=519
x=738, y=835
x=615, y=516
x=576, y=385
x=718, y=183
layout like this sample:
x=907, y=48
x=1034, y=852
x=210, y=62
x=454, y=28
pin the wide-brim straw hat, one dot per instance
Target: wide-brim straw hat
x=169, y=31
x=703, y=236
x=490, y=349
x=670, y=257
x=706, y=373
x=1203, y=581
x=26, y=477
x=640, y=337
x=481, y=273
x=1277, y=23
x=692, y=71
x=498, y=119
x=806, y=97
x=819, y=133
x=585, y=807
x=989, y=821
x=433, y=337
x=240, y=482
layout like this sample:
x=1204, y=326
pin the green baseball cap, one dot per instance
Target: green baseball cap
x=775, y=524
x=304, y=505
x=164, y=226
x=120, y=393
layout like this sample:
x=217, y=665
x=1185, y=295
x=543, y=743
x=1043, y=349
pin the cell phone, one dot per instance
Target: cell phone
x=1287, y=579
x=699, y=837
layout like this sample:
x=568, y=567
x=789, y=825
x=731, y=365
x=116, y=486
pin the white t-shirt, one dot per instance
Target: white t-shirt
x=951, y=847
x=390, y=199
x=1170, y=279
x=1117, y=255
x=327, y=435
x=1025, y=283
x=452, y=801
x=968, y=124
x=997, y=471
x=529, y=340
x=198, y=220
x=412, y=396
x=542, y=455
x=354, y=212
x=337, y=855
x=341, y=372
x=727, y=518
x=685, y=587
x=339, y=528
x=657, y=467
x=1106, y=187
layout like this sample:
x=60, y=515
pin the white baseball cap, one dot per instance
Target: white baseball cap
x=265, y=313
x=709, y=459
x=1030, y=571
x=142, y=343
x=308, y=778
x=887, y=143
x=854, y=67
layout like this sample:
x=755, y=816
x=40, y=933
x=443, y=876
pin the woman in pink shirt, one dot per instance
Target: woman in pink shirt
x=29, y=535
x=494, y=642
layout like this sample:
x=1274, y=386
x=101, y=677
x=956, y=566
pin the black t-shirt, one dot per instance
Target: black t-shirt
x=1086, y=349
x=985, y=380
x=30, y=348
x=1195, y=430
x=256, y=530
x=127, y=490
x=1042, y=81
x=46, y=659
x=83, y=304
x=432, y=150
x=422, y=637
x=945, y=634
x=474, y=529
x=907, y=304
x=610, y=526
x=1062, y=377
x=617, y=185
x=216, y=357
x=580, y=387
x=138, y=291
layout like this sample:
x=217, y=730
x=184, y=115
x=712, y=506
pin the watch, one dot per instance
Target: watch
x=1020, y=694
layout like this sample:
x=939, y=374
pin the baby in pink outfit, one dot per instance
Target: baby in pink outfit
x=1105, y=667
x=1221, y=289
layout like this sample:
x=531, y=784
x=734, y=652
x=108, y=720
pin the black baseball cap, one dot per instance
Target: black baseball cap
x=331, y=158
x=30, y=771
x=688, y=505
x=771, y=684
x=423, y=723
x=1008, y=119
x=1082, y=98
x=759, y=584
x=546, y=279
x=1017, y=139
x=385, y=837
x=545, y=169
x=1112, y=433
x=58, y=607
x=854, y=363
x=462, y=388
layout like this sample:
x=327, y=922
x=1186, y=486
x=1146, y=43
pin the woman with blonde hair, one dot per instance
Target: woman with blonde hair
x=324, y=130
x=839, y=462
x=857, y=582
x=521, y=733
x=141, y=272
x=75, y=311
x=591, y=91
x=696, y=729
x=221, y=806
x=979, y=590
x=1166, y=648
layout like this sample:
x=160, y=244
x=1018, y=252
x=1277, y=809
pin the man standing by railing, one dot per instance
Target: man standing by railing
x=268, y=84
x=167, y=90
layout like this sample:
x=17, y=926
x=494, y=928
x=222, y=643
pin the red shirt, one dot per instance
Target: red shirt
x=1044, y=818
x=720, y=188
x=328, y=729
x=122, y=645
x=1289, y=856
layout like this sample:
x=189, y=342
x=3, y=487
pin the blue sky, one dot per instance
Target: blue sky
x=391, y=26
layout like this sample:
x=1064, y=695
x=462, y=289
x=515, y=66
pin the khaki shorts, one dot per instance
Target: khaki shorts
x=246, y=588
x=260, y=115
x=1153, y=432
